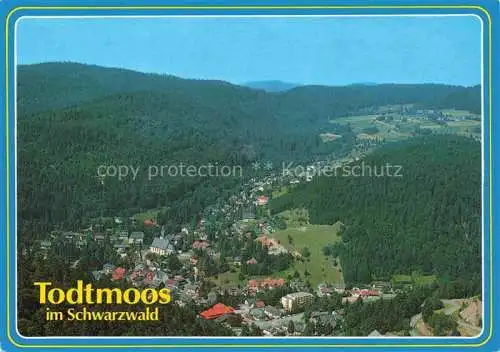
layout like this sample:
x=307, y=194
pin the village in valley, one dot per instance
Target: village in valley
x=235, y=176
x=175, y=261
x=256, y=273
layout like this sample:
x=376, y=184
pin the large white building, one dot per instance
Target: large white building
x=161, y=246
x=294, y=301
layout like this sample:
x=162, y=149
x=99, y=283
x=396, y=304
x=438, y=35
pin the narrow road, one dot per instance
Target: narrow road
x=413, y=324
x=451, y=306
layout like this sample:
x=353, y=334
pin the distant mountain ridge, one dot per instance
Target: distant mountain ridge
x=272, y=86
x=57, y=85
x=364, y=84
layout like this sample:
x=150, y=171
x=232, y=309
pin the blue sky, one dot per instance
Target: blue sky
x=330, y=51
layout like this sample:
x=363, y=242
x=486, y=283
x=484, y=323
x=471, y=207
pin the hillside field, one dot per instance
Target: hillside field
x=314, y=237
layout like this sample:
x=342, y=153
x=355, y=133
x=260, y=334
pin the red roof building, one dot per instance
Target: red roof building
x=267, y=241
x=148, y=276
x=260, y=304
x=262, y=200
x=267, y=283
x=200, y=245
x=366, y=293
x=325, y=290
x=253, y=283
x=149, y=222
x=252, y=261
x=118, y=274
x=216, y=311
x=273, y=283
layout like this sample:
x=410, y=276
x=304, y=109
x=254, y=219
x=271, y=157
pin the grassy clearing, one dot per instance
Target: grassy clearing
x=314, y=237
x=418, y=280
x=455, y=113
x=329, y=137
x=431, y=126
x=401, y=279
x=280, y=192
x=389, y=131
x=352, y=119
x=227, y=279
x=423, y=280
x=357, y=123
x=295, y=217
x=149, y=214
x=464, y=124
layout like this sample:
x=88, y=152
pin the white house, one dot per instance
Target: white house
x=161, y=246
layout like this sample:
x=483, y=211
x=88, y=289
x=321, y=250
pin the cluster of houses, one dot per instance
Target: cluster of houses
x=141, y=276
x=147, y=275
x=255, y=309
x=327, y=290
x=254, y=286
x=200, y=245
x=273, y=320
x=120, y=239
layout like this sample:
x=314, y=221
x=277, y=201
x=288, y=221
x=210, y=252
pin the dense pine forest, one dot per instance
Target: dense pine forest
x=74, y=118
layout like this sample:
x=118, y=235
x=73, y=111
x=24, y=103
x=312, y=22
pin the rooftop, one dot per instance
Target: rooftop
x=298, y=294
x=375, y=333
x=137, y=235
x=161, y=243
x=216, y=311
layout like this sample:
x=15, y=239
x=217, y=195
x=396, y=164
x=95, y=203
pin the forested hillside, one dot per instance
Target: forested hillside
x=271, y=86
x=428, y=220
x=73, y=118
x=59, y=150
x=55, y=85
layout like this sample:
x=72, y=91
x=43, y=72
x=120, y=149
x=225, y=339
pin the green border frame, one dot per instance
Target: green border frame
x=257, y=7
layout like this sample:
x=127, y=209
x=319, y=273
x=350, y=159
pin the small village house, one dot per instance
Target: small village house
x=136, y=237
x=108, y=268
x=261, y=200
x=149, y=222
x=272, y=312
x=118, y=274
